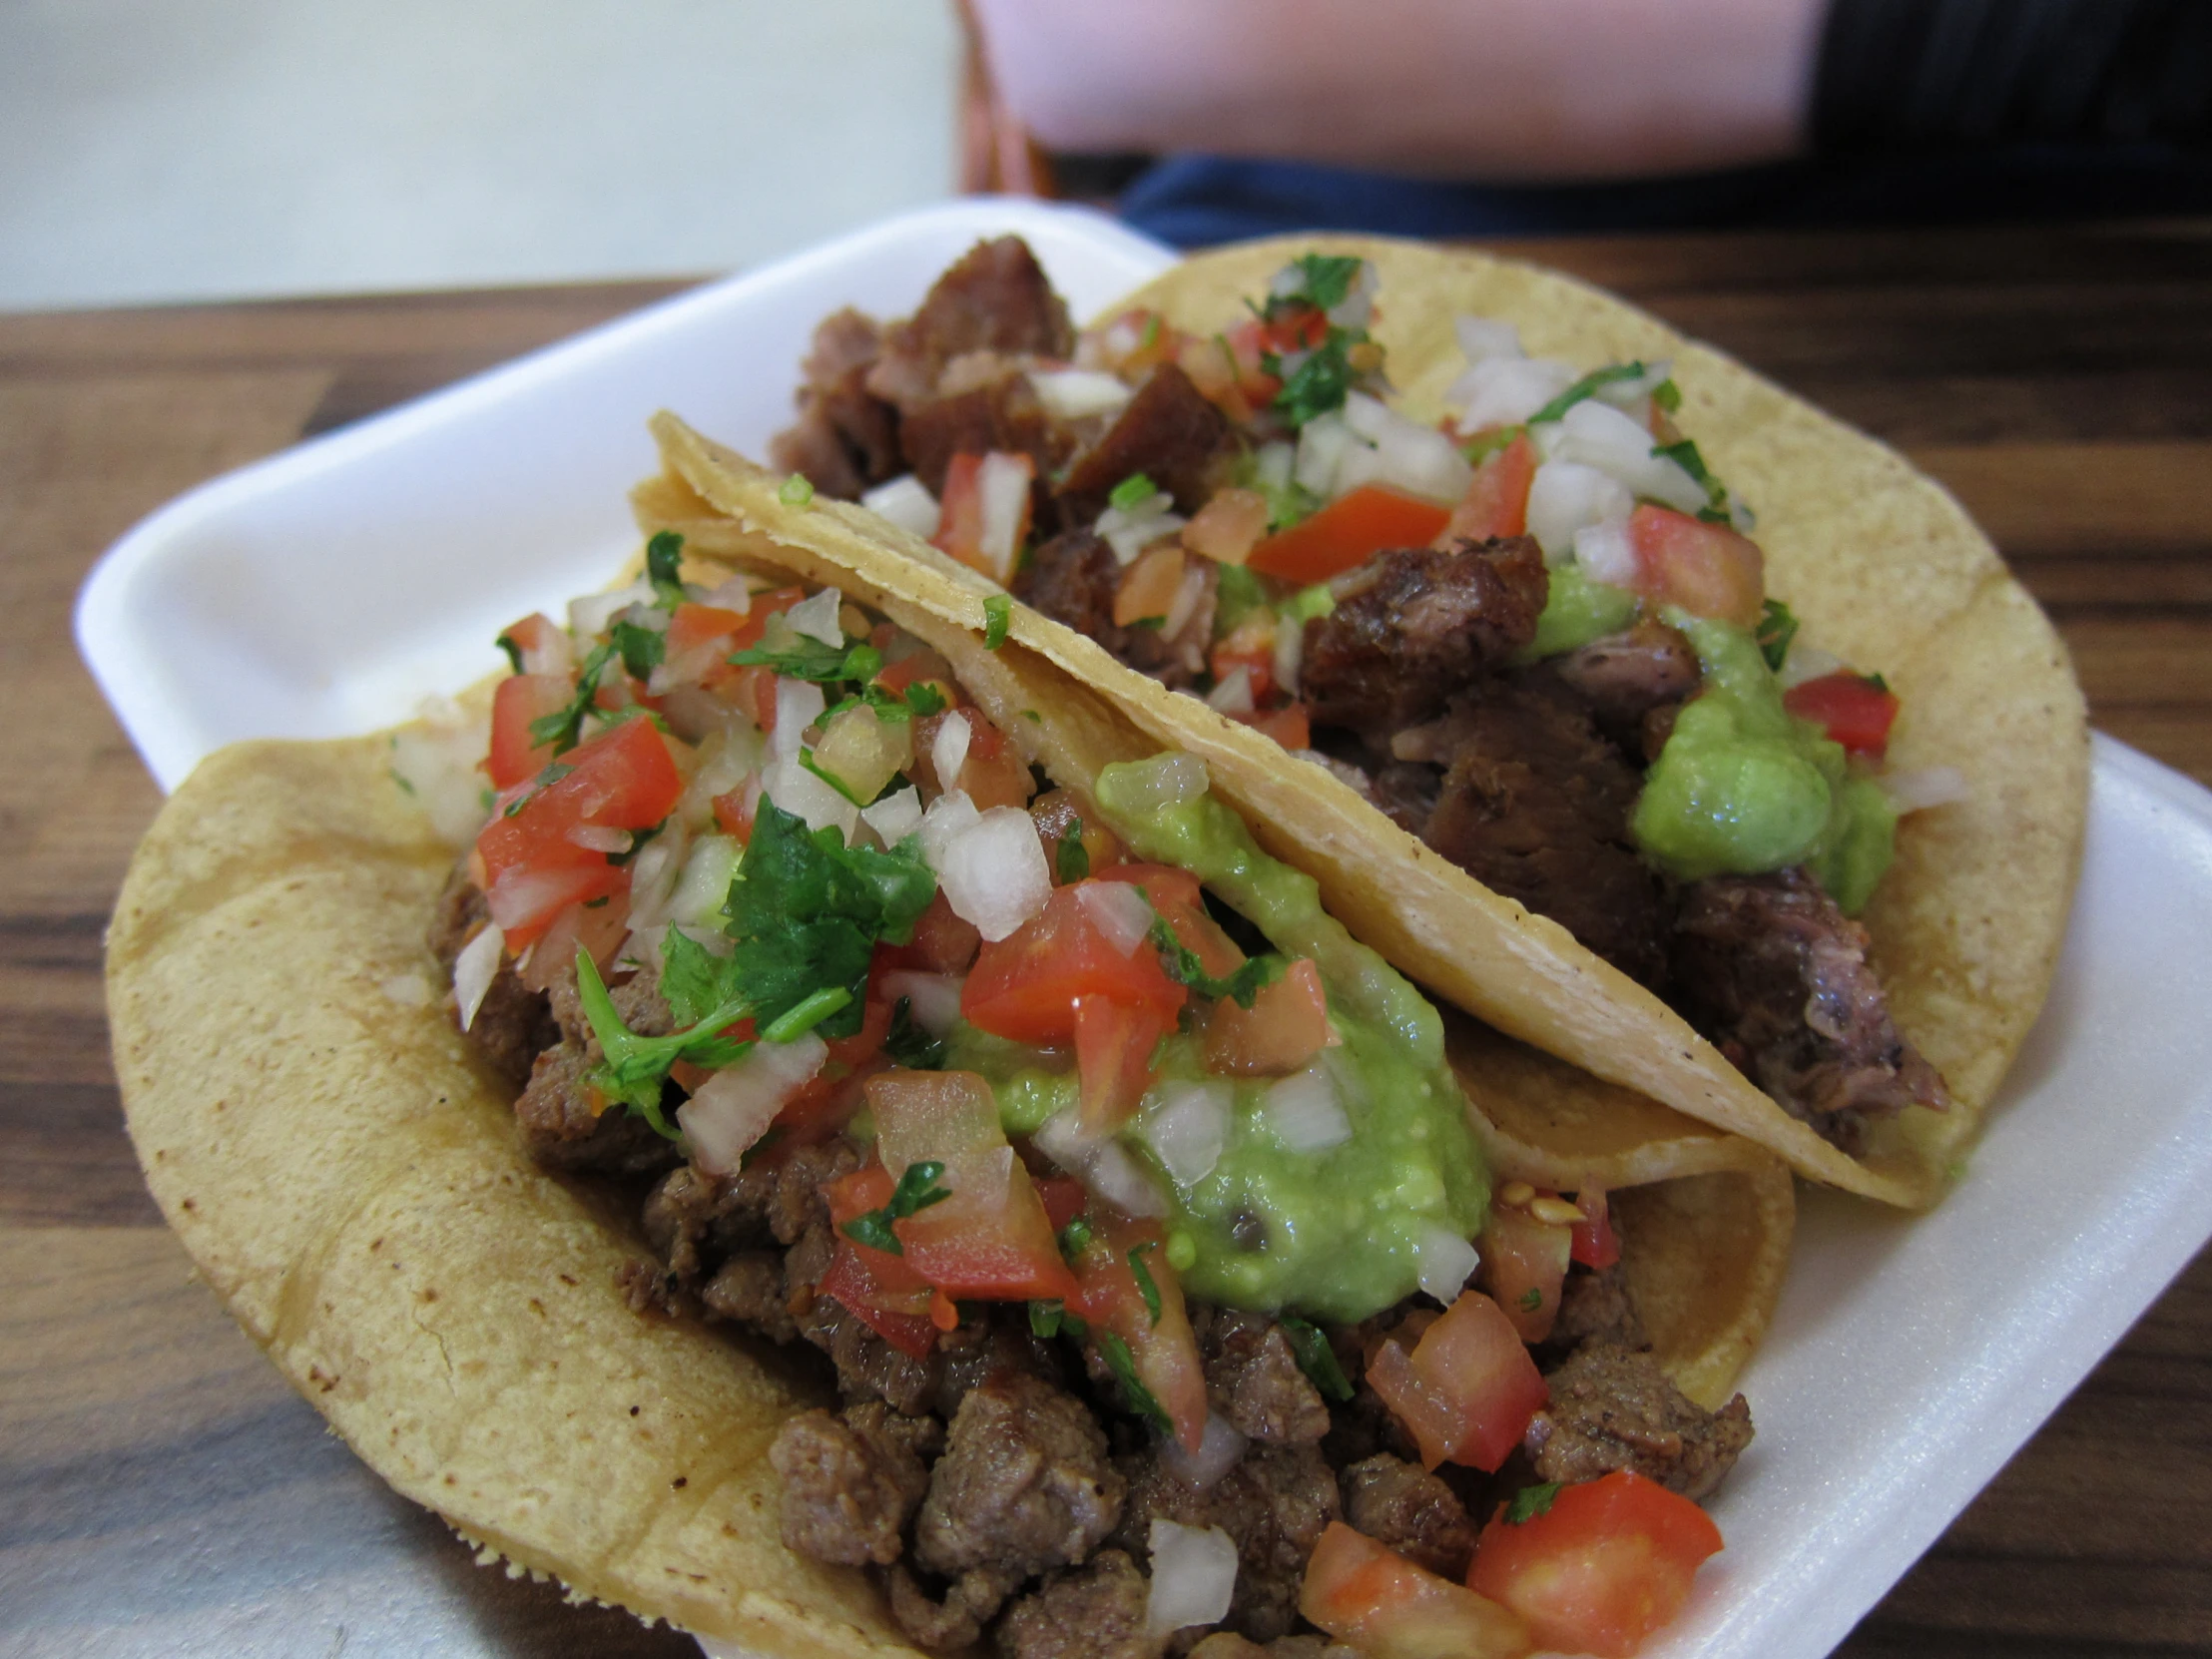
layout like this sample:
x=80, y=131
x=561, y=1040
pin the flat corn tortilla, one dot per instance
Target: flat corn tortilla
x=1882, y=565
x=352, y=1184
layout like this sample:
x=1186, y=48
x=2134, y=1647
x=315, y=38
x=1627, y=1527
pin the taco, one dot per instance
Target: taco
x=799, y=1025
x=1780, y=832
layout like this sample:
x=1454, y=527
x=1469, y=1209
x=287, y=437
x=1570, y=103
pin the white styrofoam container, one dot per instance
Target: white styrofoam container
x=326, y=590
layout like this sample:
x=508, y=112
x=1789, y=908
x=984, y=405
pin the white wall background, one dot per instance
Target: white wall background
x=160, y=150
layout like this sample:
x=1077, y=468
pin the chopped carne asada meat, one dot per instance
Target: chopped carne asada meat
x=1403, y=1505
x=1168, y=431
x=1226, y=1644
x=998, y=412
x=954, y=1621
x=1414, y=626
x=1612, y=1408
x=995, y=298
x=512, y=1025
x=851, y=1484
x=1634, y=683
x=1253, y=1380
x=847, y=438
x=1096, y=1611
x=1073, y=579
x=1770, y=969
x=1594, y=1307
x=566, y=1125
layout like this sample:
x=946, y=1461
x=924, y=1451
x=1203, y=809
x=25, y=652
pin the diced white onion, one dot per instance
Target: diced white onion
x=949, y=817
x=1357, y=309
x=1148, y=787
x=590, y=615
x=1447, y=1262
x=519, y=894
x=1599, y=435
x=908, y=503
x=935, y=997
x=1563, y=496
x=1216, y=1454
x=1417, y=458
x=735, y=1106
x=1130, y=530
x=704, y=887
x=1304, y=1111
x=1002, y=484
x=1630, y=394
x=475, y=969
x=1116, y=910
x=597, y=837
x=1808, y=662
x=726, y=757
x=1290, y=652
x=1072, y=393
x=1606, y=553
x=654, y=873
x=1194, y=1576
x=799, y=704
x=1486, y=337
x=948, y=751
x=799, y=792
x=993, y=874
x=435, y=756
x=895, y=817
x=817, y=618
x=1271, y=467
x=735, y=594
x=1921, y=788
x=1116, y=1176
x=1063, y=1138
x=1233, y=695
x=1323, y=443
x=1501, y=391
x=1187, y=1128
x=1186, y=601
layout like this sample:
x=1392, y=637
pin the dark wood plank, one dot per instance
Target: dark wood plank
x=2053, y=378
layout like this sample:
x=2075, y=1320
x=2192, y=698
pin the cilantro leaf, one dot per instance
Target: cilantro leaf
x=797, y=490
x=1532, y=1299
x=1075, y=1237
x=810, y=658
x=1132, y=491
x=694, y=980
x=1071, y=861
x=1319, y=383
x=1045, y=1318
x=1777, y=628
x=1317, y=1359
x=1250, y=978
x=664, y=561
x=1586, y=387
x=641, y=649
x=1328, y=278
x=1684, y=456
x=1667, y=395
x=564, y=727
x=998, y=611
x=917, y=1189
x=808, y=911
x=924, y=698
x=1123, y=1364
x=1147, y=1286
x=506, y=643
x=635, y=1068
x=1485, y=445
x=1532, y=1501
x=909, y=1042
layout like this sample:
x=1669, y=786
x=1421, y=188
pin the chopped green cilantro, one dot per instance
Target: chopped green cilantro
x=1484, y=445
x=1327, y=280
x=924, y=698
x=917, y=1189
x=1237, y=594
x=798, y=490
x=1183, y=966
x=635, y=1068
x=998, y=612
x=887, y=703
x=1532, y=1501
x=1147, y=1286
x=1777, y=628
x=1876, y=680
x=1588, y=387
x=1071, y=861
x=641, y=649
x=1075, y=1237
x=1150, y=336
x=1308, y=603
x=1317, y=1359
x=1133, y=491
x=1684, y=456
x=909, y=1043
x=664, y=560
x=394, y=774
x=1667, y=395
x=1123, y=1364
x=797, y=1022
x=563, y=727
x=506, y=643
x=810, y=658
x=1321, y=382
x=1532, y=1299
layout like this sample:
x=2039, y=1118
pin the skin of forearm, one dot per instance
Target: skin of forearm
x=1505, y=89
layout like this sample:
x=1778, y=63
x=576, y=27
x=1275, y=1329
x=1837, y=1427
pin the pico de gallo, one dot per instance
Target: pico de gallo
x=1129, y=1196
x=1535, y=633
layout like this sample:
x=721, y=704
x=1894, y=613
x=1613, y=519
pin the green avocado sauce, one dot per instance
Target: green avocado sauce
x=1333, y=1232
x=1578, y=611
x=1742, y=787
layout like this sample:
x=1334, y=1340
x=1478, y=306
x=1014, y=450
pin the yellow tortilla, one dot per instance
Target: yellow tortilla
x=352, y=1186
x=1881, y=564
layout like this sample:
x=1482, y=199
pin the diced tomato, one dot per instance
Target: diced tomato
x=964, y=525
x=519, y=701
x=1295, y=329
x=1608, y=1563
x=1857, y=711
x=851, y=1282
x=1164, y=1349
x=918, y=667
x=1251, y=647
x=1026, y=985
x=1149, y=587
x=1228, y=526
x=1291, y=725
x=599, y=929
x=1227, y=369
x=775, y=602
x=1173, y=894
x=623, y=779
x=695, y=625
x=1525, y=1263
x=734, y=811
x=991, y=1237
x=1707, y=569
x=1286, y=1025
x=942, y=943
x=1596, y=1245
x=1063, y=1198
x=1114, y=1041
x=1348, y=532
x=1367, y=1595
x=1497, y=502
x=993, y=774
x=1469, y=1388
x=544, y=646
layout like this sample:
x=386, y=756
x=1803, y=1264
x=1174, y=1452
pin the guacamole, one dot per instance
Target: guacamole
x=1743, y=786
x=1578, y=611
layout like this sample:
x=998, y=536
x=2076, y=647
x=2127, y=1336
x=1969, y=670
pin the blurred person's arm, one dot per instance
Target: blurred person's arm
x=1507, y=90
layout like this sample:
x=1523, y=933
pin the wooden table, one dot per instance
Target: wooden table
x=163, y=1493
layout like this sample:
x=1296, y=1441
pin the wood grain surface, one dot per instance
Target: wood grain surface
x=163, y=1493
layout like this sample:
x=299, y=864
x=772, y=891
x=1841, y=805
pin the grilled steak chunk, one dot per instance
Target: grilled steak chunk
x=565, y=1126
x=1615, y=1410
x=1275, y=1503
x=1253, y=1380
x=512, y=1023
x=995, y=409
x=851, y=1484
x=1074, y=578
x=1403, y=1505
x=1634, y=683
x=1168, y=431
x=1594, y=1307
x=1416, y=626
x=996, y=299
x=1024, y=1483
x=846, y=437
x=1777, y=976
x=1094, y=1612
